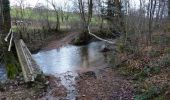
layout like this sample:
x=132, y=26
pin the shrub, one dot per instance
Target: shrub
x=165, y=61
x=167, y=50
x=164, y=40
x=146, y=71
x=150, y=93
x=154, y=53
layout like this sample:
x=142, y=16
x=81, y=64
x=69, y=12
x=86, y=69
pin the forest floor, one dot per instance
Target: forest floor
x=148, y=66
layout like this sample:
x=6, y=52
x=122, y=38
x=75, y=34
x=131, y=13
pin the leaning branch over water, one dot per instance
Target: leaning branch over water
x=110, y=42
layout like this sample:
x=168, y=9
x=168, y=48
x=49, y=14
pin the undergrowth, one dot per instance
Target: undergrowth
x=144, y=64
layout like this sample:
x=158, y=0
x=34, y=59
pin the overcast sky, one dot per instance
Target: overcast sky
x=32, y=3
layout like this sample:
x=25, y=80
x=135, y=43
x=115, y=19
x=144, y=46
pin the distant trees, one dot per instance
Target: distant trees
x=85, y=19
x=5, y=16
x=169, y=9
x=57, y=13
x=115, y=15
x=5, y=20
x=1, y=16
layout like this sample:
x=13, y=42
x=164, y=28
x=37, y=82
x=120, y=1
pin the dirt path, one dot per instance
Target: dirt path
x=61, y=42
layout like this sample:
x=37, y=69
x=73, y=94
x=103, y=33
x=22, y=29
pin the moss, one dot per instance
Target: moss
x=11, y=70
x=12, y=65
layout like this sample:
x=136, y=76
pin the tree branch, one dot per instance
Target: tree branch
x=110, y=42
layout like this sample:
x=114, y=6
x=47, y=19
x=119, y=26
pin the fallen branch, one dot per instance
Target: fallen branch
x=6, y=38
x=10, y=44
x=110, y=42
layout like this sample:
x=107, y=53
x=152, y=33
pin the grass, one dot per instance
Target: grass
x=34, y=15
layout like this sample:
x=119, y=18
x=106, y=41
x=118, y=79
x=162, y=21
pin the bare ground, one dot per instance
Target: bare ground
x=108, y=85
x=60, y=41
x=18, y=90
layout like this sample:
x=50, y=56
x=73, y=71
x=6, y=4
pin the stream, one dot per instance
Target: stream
x=66, y=62
x=3, y=75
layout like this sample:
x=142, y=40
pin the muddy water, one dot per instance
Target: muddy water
x=67, y=61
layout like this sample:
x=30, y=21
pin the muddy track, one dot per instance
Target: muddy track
x=60, y=42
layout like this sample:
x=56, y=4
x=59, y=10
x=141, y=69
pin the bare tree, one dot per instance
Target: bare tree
x=85, y=20
x=56, y=9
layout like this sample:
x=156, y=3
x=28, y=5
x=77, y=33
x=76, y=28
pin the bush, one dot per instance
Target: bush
x=165, y=61
x=163, y=40
x=148, y=94
x=167, y=50
x=151, y=93
x=154, y=53
x=121, y=47
x=146, y=71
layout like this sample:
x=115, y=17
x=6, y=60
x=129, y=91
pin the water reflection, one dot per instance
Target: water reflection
x=66, y=61
x=3, y=75
x=70, y=58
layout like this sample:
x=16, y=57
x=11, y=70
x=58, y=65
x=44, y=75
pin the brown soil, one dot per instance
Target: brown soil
x=108, y=85
x=61, y=41
x=18, y=90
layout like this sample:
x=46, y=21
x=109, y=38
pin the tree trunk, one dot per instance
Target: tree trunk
x=84, y=37
x=9, y=58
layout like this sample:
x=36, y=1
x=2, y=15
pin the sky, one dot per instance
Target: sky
x=32, y=3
